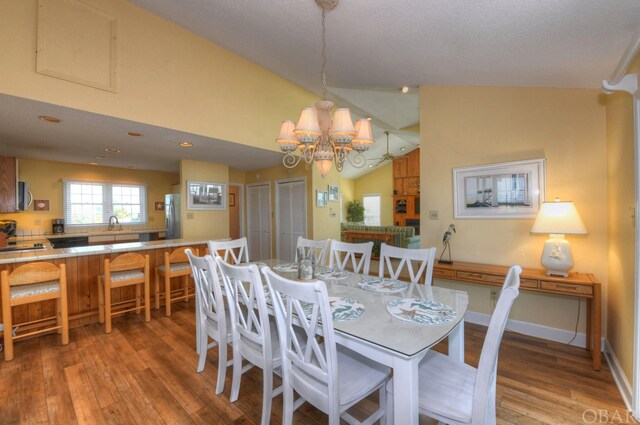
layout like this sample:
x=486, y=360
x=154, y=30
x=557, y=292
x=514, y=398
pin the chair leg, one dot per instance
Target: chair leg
x=100, y=301
x=58, y=316
x=186, y=288
x=156, y=289
x=202, y=355
x=237, y=372
x=167, y=294
x=64, y=313
x=6, y=319
x=389, y=398
x=138, y=298
x=287, y=408
x=267, y=395
x=222, y=362
x=147, y=300
x=107, y=307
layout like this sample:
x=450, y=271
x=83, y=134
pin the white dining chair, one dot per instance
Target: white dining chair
x=456, y=393
x=319, y=248
x=234, y=251
x=341, y=252
x=406, y=259
x=255, y=337
x=331, y=378
x=212, y=319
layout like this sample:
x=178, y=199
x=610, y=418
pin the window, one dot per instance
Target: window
x=88, y=203
x=371, y=205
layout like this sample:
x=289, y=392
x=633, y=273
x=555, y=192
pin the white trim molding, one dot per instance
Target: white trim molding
x=618, y=375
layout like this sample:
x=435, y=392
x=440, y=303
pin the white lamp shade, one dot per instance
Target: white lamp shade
x=324, y=166
x=286, y=132
x=342, y=123
x=308, y=122
x=559, y=217
x=363, y=131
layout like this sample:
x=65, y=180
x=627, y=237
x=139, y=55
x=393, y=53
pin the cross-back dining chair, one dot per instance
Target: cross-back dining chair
x=319, y=248
x=212, y=319
x=342, y=252
x=331, y=378
x=234, y=251
x=255, y=337
x=456, y=393
x=407, y=258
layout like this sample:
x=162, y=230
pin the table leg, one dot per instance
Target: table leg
x=456, y=342
x=597, y=327
x=590, y=304
x=405, y=391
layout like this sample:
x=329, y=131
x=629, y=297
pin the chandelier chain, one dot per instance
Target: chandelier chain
x=324, y=57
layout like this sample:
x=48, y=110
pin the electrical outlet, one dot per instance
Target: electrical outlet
x=189, y=216
x=37, y=222
x=433, y=214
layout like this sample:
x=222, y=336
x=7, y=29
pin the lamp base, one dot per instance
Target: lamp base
x=556, y=256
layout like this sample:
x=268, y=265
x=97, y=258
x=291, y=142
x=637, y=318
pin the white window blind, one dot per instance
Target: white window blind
x=88, y=203
x=371, y=205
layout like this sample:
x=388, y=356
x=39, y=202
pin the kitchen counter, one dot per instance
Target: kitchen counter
x=123, y=231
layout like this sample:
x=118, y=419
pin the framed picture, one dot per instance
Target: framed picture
x=206, y=196
x=321, y=198
x=506, y=190
x=333, y=193
x=41, y=205
x=159, y=206
x=232, y=199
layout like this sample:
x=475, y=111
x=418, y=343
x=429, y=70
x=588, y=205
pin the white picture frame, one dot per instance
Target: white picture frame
x=321, y=198
x=507, y=190
x=333, y=193
x=206, y=196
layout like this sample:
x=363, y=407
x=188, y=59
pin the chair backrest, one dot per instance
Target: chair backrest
x=209, y=301
x=487, y=367
x=35, y=273
x=421, y=258
x=233, y=252
x=309, y=367
x=128, y=261
x=178, y=255
x=248, y=310
x=319, y=248
x=349, y=250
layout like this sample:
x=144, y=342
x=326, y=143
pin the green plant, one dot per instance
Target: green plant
x=355, y=212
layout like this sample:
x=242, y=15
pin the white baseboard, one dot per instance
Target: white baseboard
x=618, y=375
x=533, y=329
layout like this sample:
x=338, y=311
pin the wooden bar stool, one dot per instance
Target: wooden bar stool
x=32, y=283
x=125, y=270
x=176, y=264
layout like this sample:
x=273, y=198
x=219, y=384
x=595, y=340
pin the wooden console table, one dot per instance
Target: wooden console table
x=386, y=237
x=582, y=285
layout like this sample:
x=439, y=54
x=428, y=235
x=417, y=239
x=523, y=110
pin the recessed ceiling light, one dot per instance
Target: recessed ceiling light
x=185, y=144
x=47, y=118
x=134, y=133
x=93, y=163
x=405, y=89
x=403, y=148
x=112, y=150
x=368, y=118
x=370, y=165
x=101, y=157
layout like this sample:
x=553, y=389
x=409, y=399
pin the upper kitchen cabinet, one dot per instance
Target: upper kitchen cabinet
x=8, y=184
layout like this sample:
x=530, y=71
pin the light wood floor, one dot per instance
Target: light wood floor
x=144, y=373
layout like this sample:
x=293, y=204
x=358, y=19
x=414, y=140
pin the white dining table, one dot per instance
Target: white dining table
x=397, y=344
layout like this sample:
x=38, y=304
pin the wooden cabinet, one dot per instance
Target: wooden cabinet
x=406, y=187
x=8, y=176
x=399, y=167
x=413, y=164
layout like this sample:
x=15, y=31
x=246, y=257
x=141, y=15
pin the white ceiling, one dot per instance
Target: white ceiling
x=373, y=48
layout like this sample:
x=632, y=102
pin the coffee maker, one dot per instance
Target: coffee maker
x=8, y=227
x=57, y=226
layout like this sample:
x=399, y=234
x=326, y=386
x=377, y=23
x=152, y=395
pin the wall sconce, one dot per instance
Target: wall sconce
x=558, y=218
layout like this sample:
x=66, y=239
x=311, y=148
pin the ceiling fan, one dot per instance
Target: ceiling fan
x=386, y=157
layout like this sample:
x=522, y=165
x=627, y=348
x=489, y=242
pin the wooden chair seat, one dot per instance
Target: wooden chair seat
x=33, y=283
x=25, y=291
x=126, y=275
x=176, y=267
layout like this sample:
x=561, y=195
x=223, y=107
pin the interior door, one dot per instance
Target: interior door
x=291, y=217
x=259, y=221
x=234, y=212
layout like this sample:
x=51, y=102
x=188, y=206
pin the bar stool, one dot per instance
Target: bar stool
x=176, y=264
x=125, y=270
x=32, y=283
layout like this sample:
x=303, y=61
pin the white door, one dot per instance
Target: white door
x=259, y=221
x=291, y=216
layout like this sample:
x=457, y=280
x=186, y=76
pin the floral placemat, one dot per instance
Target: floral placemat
x=425, y=312
x=383, y=285
x=327, y=273
x=341, y=308
x=286, y=267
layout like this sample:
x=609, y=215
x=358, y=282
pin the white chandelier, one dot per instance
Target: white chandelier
x=321, y=138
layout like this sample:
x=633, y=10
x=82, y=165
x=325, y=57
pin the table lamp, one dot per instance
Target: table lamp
x=558, y=218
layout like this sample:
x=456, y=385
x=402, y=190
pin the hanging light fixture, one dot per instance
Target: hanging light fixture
x=321, y=137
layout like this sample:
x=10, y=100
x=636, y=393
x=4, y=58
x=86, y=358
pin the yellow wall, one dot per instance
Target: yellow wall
x=326, y=220
x=166, y=76
x=203, y=224
x=621, y=192
x=347, y=190
x=379, y=182
x=463, y=126
x=45, y=182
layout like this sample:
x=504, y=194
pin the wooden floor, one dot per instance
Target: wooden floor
x=144, y=373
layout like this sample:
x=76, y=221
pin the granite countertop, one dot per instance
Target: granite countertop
x=51, y=253
x=41, y=235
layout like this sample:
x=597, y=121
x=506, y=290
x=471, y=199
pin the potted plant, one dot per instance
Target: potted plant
x=355, y=212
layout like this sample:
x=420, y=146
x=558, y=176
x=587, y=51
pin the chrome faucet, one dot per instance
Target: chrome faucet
x=112, y=225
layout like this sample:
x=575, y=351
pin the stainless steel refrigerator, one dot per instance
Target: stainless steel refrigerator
x=172, y=216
